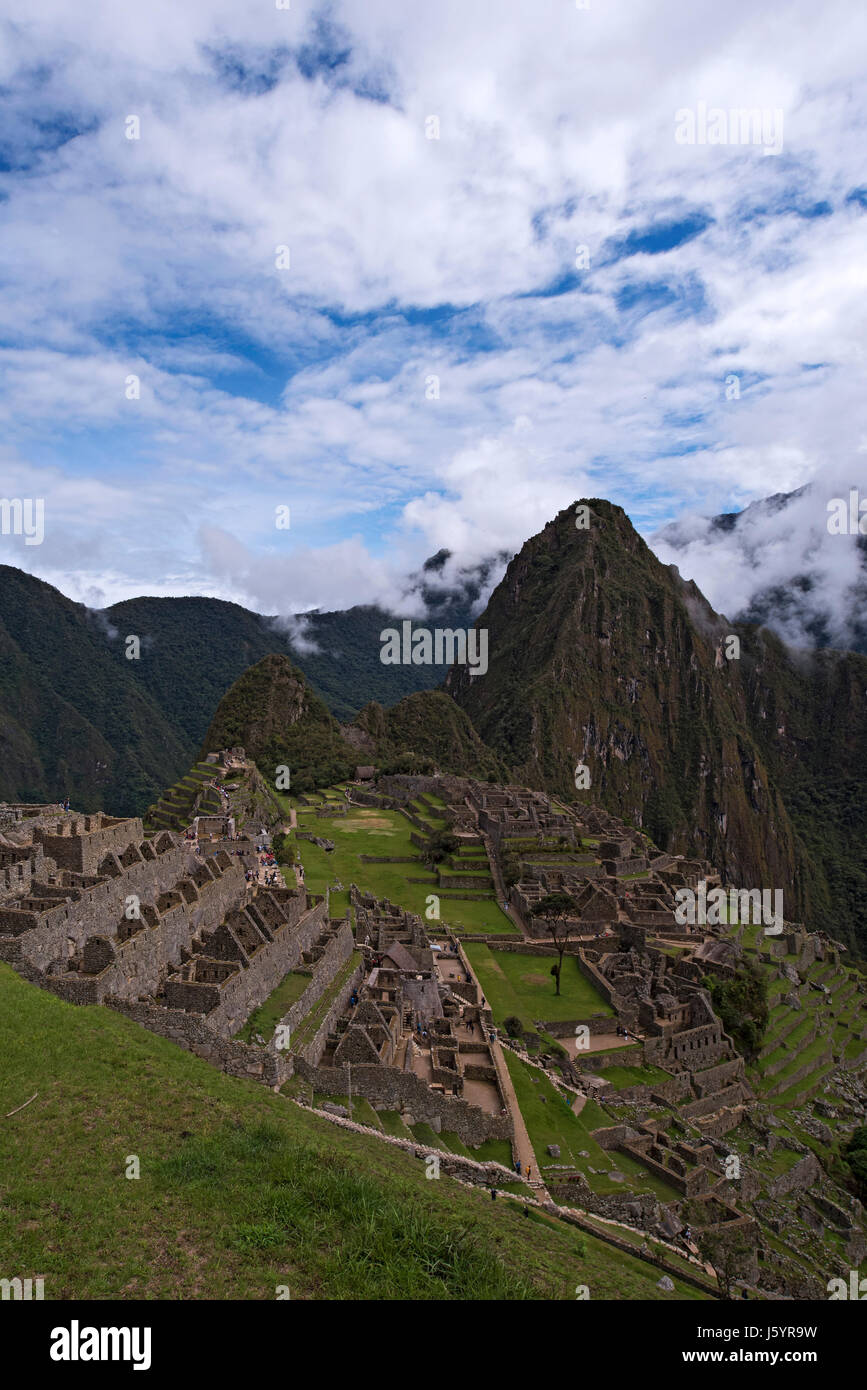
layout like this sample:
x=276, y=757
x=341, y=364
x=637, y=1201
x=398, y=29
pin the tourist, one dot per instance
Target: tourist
x=518, y=1167
x=529, y=1171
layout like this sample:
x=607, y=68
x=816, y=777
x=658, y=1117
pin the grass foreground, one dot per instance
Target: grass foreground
x=239, y=1190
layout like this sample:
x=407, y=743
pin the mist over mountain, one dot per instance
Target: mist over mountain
x=776, y=564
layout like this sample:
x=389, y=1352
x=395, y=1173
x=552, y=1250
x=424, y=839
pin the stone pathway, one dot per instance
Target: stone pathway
x=287, y=828
x=521, y=1145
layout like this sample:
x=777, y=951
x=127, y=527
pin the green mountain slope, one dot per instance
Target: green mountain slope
x=274, y=714
x=199, y=646
x=78, y=718
x=74, y=720
x=276, y=717
x=428, y=725
x=599, y=652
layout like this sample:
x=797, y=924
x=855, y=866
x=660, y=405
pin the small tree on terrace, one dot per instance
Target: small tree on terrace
x=557, y=908
x=727, y=1252
x=439, y=846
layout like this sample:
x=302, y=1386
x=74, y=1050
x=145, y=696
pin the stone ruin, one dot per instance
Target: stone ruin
x=412, y=1034
x=96, y=911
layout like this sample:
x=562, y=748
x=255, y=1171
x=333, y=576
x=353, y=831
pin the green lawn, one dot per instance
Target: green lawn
x=377, y=832
x=494, y=1151
x=449, y=1140
x=311, y=1022
x=264, y=1020
x=622, y=1077
x=394, y=1125
x=550, y=1120
x=518, y=984
x=239, y=1190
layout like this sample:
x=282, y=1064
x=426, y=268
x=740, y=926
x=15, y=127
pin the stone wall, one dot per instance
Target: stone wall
x=95, y=910
x=389, y=1089
x=337, y=950
x=236, y=996
x=604, y=1208
x=801, y=1176
x=595, y=1025
x=471, y=881
x=314, y=1048
x=192, y=1033
x=527, y=948
x=716, y=1078
x=490, y=1174
x=80, y=842
x=694, y=1048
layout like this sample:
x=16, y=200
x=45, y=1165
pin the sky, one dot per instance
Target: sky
x=422, y=274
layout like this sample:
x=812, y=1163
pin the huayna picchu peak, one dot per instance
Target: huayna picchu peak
x=712, y=735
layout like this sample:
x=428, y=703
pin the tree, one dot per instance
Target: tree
x=857, y=1161
x=511, y=870
x=742, y=1004
x=855, y=1156
x=727, y=1251
x=441, y=844
x=858, y=1139
x=556, y=908
x=513, y=1026
x=282, y=847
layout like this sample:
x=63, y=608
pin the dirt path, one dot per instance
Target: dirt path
x=287, y=827
x=521, y=1142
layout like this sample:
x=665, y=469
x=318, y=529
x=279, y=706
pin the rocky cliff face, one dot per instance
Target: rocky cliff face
x=601, y=655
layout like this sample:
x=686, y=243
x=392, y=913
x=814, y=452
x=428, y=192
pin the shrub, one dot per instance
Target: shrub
x=513, y=1026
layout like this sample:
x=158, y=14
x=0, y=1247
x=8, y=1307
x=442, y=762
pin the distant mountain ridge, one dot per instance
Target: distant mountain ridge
x=78, y=719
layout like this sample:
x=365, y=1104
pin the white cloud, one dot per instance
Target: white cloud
x=412, y=257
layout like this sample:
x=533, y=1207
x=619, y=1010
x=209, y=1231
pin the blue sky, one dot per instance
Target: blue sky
x=439, y=363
